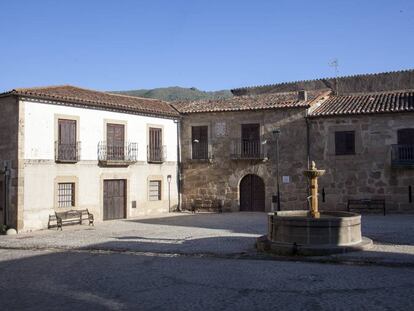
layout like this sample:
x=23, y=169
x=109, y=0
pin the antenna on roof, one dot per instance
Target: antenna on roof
x=335, y=64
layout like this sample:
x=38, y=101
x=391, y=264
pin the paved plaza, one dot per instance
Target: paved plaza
x=201, y=262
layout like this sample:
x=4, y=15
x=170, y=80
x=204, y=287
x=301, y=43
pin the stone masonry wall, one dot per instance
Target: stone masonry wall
x=368, y=173
x=220, y=179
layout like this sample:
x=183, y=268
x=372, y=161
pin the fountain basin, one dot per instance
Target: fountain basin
x=297, y=233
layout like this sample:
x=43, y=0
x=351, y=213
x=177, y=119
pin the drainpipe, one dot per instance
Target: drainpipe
x=307, y=144
x=307, y=138
x=6, y=174
x=178, y=122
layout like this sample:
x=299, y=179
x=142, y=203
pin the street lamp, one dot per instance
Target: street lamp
x=169, y=192
x=276, y=134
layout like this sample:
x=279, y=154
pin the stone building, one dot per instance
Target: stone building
x=360, y=129
x=68, y=148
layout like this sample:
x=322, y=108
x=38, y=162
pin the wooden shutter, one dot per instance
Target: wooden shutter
x=115, y=140
x=155, y=138
x=115, y=134
x=155, y=144
x=67, y=132
x=67, y=150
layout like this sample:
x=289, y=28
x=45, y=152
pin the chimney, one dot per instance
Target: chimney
x=302, y=95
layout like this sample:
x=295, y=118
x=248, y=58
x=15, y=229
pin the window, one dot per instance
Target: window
x=115, y=139
x=250, y=140
x=155, y=148
x=199, y=142
x=405, y=136
x=154, y=190
x=66, y=194
x=345, y=142
x=66, y=144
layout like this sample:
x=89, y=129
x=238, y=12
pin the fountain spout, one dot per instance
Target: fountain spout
x=313, y=173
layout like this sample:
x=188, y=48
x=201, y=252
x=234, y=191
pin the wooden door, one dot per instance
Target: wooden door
x=252, y=194
x=67, y=140
x=114, y=201
x=115, y=140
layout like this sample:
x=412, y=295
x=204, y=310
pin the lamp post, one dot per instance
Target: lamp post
x=276, y=133
x=169, y=192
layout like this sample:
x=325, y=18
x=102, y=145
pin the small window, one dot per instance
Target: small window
x=154, y=190
x=345, y=143
x=66, y=194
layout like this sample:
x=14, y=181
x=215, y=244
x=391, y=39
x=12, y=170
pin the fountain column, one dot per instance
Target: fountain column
x=313, y=175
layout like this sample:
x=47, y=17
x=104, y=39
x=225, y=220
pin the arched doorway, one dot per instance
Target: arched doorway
x=252, y=194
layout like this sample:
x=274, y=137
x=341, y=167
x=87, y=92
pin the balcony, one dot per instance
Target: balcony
x=402, y=155
x=248, y=150
x=156, y=154
x=67, y=153
x=201, y=151
x=117, y=155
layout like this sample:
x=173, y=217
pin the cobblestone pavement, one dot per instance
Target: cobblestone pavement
x=92, y=280
x=227, y=234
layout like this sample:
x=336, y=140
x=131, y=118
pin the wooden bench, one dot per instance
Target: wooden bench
x=70, y=217
x=367, y=204
x=199, y=204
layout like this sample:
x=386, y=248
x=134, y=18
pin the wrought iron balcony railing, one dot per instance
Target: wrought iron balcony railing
x=249, y=150
x=201, y=151
x=402, y=155
x=156, y=155
x=67, y=153
x=117, y=154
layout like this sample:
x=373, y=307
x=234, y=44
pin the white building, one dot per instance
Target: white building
x=72, y=148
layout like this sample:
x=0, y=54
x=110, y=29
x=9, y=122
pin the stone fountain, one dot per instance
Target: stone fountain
x=313, y=233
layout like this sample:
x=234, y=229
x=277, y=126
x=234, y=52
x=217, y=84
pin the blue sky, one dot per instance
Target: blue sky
x=211, y=44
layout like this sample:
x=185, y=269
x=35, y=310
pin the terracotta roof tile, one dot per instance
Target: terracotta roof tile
x=248, y=102
x=365, y=103
x=93, y=98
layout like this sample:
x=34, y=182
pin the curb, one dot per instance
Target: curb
x=357, y=261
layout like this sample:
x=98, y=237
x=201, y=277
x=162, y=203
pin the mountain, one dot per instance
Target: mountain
x=177, y=93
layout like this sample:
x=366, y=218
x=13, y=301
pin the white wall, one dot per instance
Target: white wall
x=40, y=130
x=41, y=171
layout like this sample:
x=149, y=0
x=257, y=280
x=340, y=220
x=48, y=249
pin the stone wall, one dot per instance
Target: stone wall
x=220, y=178
x=368, y=173
x=9, y=125
x=386, y=81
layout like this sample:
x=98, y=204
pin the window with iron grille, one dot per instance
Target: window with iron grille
x=345, y=142
x=66, y=194
x=154, y=189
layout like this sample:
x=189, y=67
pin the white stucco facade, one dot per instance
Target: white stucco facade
x=41, y=172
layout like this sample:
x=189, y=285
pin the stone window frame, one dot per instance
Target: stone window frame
x=65, y=179
x=160, y=179
x=344, y=128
